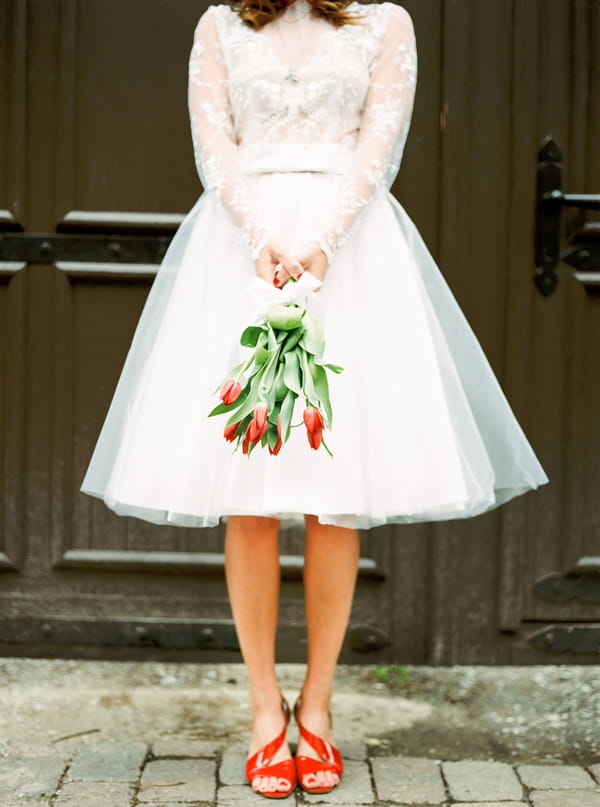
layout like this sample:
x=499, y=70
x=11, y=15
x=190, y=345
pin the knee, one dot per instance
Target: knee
x=253, y=527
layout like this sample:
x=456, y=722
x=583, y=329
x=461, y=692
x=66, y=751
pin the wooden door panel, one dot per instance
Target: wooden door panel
x=107, y=130
x=13, y=313
x=555, y=376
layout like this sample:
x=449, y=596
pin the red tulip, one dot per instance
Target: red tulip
x=230, y=391
x=245, y=445
x=230, y=432
x=314, y=423
x=258, y=425
x=277, y=447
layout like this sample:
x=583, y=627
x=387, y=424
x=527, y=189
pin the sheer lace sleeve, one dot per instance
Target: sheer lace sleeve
x=384, y=127
x=213, y=135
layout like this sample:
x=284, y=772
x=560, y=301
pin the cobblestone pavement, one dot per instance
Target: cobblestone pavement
x=176, y=772
x=150, y=734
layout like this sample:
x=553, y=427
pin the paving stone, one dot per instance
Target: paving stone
x=565, y=798
x=555, y=777
x=94, y=794
x=595, y=771
x=244, y=796
x=29, y=777
x=355, y=787
x=409, y=780
x=476, y=780
x=107, y=760
x=181, y=747
x=166, y=780
x=492, y=804
x=354, y=750
x=233, y=764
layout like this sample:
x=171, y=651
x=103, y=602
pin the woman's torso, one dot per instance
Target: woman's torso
x=300, y=80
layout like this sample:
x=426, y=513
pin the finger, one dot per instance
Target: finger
x=292, y=265
x=294, y=269
x=281, y=276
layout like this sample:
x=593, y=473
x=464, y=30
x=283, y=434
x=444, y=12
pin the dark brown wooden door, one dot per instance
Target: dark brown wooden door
x=95, y=141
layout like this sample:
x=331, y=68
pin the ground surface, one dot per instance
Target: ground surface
x=106, y=734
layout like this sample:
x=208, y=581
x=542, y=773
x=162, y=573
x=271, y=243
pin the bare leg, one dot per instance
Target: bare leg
x=253, y=578
x=330, y=568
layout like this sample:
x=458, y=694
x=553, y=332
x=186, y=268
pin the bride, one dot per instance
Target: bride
x=299, y=115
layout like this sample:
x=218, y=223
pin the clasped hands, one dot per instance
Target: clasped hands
x=277, y=265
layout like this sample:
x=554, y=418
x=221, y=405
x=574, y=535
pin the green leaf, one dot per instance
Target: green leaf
x=272, y=435
x=279, y=385
x=266, y=389
x=293, y=337
x=251, y=400
x=261, y=355
x=241, y=431
x=223, y=408
x=261, y=351
x=313, y=338
x=291, y=374
x=272, y=414
x=287, y=408
x=250, y=335
x=307, y=381
x=335, y=368
x=271, y=339
x=321, y=386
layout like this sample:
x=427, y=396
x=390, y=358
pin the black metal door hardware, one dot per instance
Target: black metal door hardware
x=100, y=242
x=582, y=583
x=584, y=252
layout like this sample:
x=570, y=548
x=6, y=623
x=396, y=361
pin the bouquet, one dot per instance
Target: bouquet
x=285, y=363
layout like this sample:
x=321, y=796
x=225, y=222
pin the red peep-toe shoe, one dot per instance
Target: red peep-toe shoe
x=285, y=771
x=307, y=767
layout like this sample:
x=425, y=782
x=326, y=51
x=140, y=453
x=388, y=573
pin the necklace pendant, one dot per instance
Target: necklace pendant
x=292, y=76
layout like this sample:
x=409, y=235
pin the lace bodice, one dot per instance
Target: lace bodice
x=300, y=80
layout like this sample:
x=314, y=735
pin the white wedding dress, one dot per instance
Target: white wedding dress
x=298, y=132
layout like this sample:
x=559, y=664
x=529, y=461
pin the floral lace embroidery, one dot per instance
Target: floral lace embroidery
x=213, y=134
x=383, y=132
x=356, y=90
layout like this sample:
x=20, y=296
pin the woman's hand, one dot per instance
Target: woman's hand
x=272, y=254
x=311, y=258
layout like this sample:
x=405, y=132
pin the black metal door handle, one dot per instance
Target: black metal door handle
x=584, y=254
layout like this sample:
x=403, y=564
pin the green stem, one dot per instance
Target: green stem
x=245, y=365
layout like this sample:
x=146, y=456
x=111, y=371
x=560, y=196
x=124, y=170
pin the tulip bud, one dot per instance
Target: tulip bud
x=284, y=317
x=230, y=391
x=277, y=447
x=258, y=425
x=260, y=414
x=230, y=432
x=314, y=423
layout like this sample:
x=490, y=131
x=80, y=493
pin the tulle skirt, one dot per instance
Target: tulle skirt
x=421, y=429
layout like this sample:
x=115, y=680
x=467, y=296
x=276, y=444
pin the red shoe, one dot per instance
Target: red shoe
x=307, y=767
x=285, y=771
